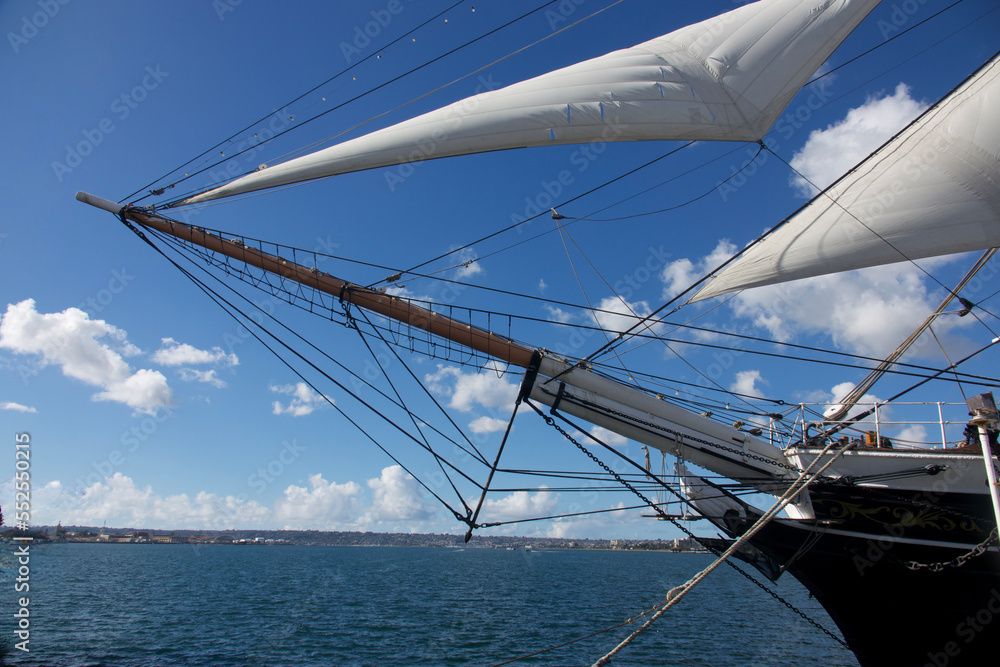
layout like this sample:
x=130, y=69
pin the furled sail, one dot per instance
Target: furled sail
x=726, y=79
x=934, y=189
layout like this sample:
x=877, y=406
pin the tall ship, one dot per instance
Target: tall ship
x=885, y=509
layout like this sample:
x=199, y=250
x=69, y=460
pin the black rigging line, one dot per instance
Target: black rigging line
x=917, y=369
x=881, y=44
x=551, y=421
x=676, y=206
x=178, y=201
x=797, y=119
x=219, y=298
x=568, y=201
x=181, y=247
x=374, y=54
x=587, y=217
x=354, y=423
x=413, y=419
x=392, y=348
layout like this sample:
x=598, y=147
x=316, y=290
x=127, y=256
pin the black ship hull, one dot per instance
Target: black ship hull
x=890, y=613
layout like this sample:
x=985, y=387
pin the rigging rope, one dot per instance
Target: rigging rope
x=374, y=54
x=220, y=300
x=402, y=402
x=496, y=462
x=671, y=520
x=676, y=594
x=812, y=350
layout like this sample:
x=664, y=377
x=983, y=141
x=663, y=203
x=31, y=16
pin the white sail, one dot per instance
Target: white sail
x=727, y=79
x=934, y=189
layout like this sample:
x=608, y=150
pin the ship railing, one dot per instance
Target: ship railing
x=888, y=426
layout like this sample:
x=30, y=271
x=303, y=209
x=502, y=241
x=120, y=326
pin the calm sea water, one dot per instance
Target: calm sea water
x=107, y=604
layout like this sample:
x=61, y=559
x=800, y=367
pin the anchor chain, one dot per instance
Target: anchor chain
x=957, y=561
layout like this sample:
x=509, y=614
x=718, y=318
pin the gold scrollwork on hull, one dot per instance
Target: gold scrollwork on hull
x=896, y=515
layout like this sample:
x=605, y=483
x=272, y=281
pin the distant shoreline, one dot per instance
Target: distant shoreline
x=103, y=535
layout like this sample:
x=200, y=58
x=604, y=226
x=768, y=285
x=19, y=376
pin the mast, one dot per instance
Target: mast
x=550, y=380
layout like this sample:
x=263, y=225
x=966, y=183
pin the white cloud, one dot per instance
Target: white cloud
x=612, y=314
x=17, y=407
x=912, y=437
x=469, y=263
x=85, y=349
x=519, y=505
x=304, y=400
x=172, y=353
x=118, y=501
x=396, y=496
x=865, y=312
x=144, y=391
x=208, y=377
x=487, y=425
x=466, y=390
x=558, y=314
x=829, y=153
x=746, y=384
x=678, y=275
x=627, y=524
x=323, y=506
x=393, y=501
x=839, y=392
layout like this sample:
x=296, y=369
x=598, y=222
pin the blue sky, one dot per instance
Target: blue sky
x=148, y=406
